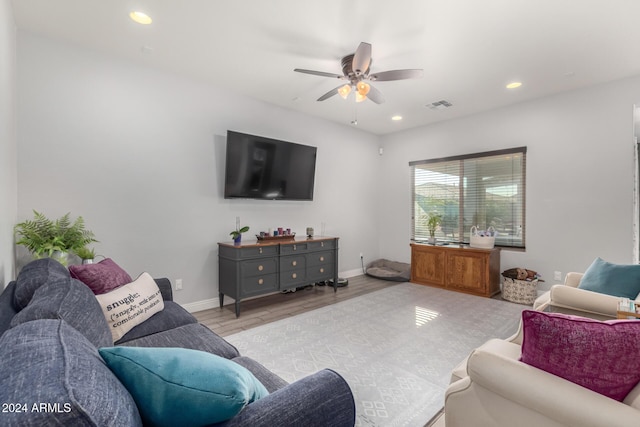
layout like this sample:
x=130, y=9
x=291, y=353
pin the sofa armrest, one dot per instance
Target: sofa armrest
x=495, y=366
x=573, y=279
x=583, y=300
x=165, y=288
x=321, y=399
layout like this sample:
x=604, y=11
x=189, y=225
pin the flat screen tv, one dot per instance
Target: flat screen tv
x=265, y=168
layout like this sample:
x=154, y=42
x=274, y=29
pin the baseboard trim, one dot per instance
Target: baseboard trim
x=210, y=303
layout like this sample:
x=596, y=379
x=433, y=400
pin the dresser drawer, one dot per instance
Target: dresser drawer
x=259, y=284
x=240, y=253
x=258, y=267
x=320, y=258
x=324, y=244
x=292, y=277
x=317, y=273
x=294, y=262
x=293, y=248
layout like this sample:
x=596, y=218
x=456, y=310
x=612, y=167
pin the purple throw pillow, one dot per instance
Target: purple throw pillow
x=601, y=356
x=102, y=277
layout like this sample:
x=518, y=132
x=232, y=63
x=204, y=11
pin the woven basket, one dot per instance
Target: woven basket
x=520, y=291
x=481, y=242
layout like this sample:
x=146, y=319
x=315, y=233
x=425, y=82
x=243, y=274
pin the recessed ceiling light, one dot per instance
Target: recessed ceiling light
x=396, y=118
x=514, y=85
x=140, y=17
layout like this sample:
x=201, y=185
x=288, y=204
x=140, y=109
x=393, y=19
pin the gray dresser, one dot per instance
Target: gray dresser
x=263, y=267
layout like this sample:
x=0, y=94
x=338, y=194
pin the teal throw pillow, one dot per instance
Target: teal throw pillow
x=619, y=280
x=178, y=386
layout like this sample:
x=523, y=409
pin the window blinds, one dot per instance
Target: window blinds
x=482, y=189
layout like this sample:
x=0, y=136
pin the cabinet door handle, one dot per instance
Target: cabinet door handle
x=294, y=263
x=294, y=275
x=260, y=281
x=260, y=267
x=321, y=258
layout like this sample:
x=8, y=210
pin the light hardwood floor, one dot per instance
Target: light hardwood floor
x=258, y=311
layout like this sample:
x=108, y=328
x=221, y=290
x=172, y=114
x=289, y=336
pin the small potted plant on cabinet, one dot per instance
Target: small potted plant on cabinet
x=434, y=219
x=237, y=234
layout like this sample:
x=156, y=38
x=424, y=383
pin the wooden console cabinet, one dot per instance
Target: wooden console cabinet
x=457, y=268
x=263, y=267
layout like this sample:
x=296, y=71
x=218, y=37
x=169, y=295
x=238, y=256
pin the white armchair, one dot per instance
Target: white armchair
x=499, y=390
x=570, y=299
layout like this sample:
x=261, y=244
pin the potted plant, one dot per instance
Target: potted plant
x=44, y=237
x=87, y=255
x=434, y=219
x=237, y=234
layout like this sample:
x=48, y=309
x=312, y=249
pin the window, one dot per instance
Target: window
x=482, y=189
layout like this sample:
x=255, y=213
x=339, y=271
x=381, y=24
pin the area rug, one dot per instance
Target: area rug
x=395, y=347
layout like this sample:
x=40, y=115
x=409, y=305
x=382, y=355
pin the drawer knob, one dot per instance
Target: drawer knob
x=322, y=270
x=260, y=267
x=295, y=248
x=260, y=281
x=294, y=275
x=322, y=244
x=321, y=258
x=294, y=263
x=260, y=250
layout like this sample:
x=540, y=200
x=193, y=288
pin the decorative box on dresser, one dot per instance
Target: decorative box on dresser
x=267, y=266
x=457, y=268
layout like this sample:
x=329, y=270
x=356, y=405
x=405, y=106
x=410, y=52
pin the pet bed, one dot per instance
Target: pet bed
x=389, y=270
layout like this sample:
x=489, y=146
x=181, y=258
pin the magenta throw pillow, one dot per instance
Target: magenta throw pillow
x=102, y=277
x=601, y=356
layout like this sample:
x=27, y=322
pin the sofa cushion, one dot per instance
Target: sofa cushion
x=34, y=275
x=601, y=356
x=47, y=362
x=619, y=280
x=101, y=277
x=194, y=336
x=172, y=316
x=177, y=386
x=71, y=301
x=130, y=305
x=7, y=310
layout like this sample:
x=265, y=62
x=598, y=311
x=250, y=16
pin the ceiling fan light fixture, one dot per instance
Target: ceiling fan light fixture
x=514, y=85
x=360, y=97
x=140, y=17
x=344, y=91
x=363, y=88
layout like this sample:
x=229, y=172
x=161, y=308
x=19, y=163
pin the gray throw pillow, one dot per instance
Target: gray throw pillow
x=49, y=364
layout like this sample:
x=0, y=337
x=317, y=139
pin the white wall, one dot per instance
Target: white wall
x=140, y=155
x=579, y=174
x=8, y=148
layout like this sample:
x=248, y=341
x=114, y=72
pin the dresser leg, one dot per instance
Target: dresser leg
x=237, y=308
x=221, y=296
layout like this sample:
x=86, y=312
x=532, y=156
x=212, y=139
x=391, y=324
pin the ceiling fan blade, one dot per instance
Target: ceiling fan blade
x=375, y=95
x=330, y=93
x=361, y=59
x=319, y=73
x=386, y=76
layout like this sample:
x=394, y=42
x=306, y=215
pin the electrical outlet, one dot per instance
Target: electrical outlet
x=178, y=284
x=557, y=275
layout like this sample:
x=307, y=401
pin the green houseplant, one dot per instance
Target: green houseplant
x=237, y=233
x=434, y=219
x=86, y=254
x=44, y=237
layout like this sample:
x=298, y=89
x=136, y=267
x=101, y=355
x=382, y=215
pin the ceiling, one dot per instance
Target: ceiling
x=469, y=49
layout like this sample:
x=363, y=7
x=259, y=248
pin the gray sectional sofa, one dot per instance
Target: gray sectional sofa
x=51, y=372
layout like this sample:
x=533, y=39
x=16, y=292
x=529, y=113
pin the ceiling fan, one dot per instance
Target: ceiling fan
x=355, y=72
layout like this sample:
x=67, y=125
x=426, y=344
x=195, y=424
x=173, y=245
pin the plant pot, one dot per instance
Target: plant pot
x=432, y=240
x=238, y=239
x=87, y=261
x=61, y=257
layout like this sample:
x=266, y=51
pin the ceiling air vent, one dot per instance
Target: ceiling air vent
x=440, y=105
